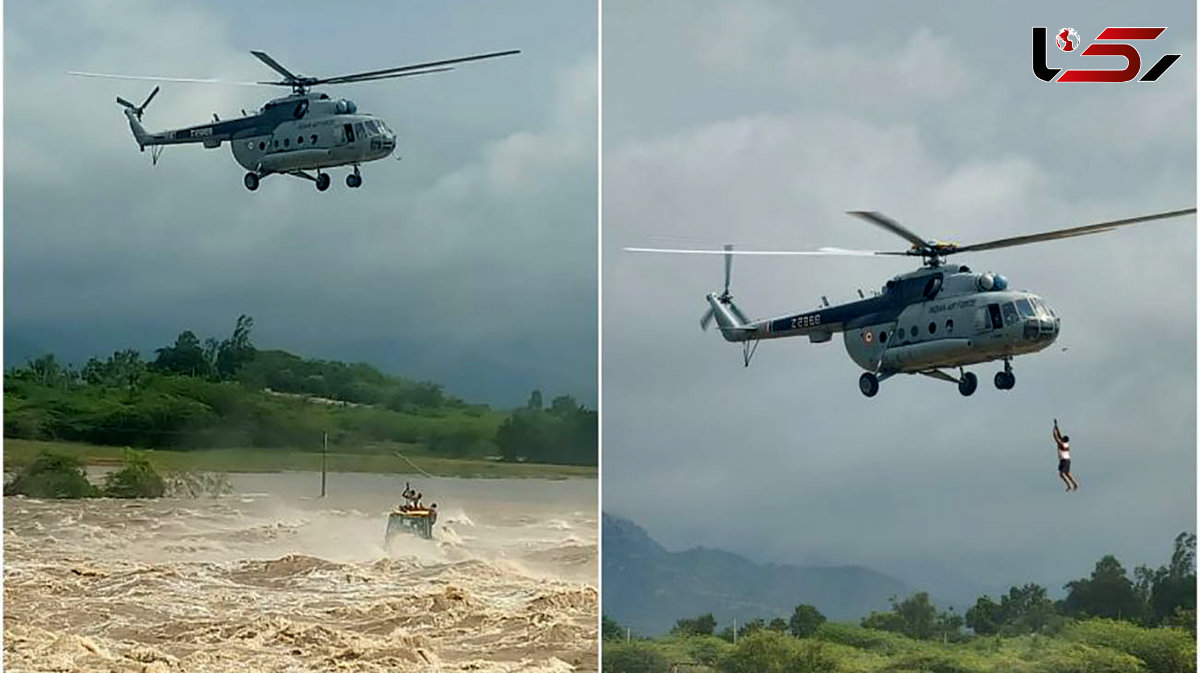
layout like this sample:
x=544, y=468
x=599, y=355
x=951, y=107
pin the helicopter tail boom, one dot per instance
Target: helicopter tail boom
x=730, y=319
x=139, y=132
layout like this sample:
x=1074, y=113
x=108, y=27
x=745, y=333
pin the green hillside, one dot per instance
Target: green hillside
x=228, y=394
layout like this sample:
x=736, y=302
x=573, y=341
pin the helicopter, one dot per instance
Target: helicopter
x=292, y=135
x=926, y=321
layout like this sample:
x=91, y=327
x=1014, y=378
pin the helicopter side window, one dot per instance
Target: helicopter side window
x=950, y=326
x=358, y=128
x=349, y=128
x=1025, y=308
x=994, y=316
x=1010, y=313
x=314, y=139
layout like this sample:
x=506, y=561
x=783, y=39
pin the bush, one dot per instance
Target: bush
x=861, y=638
x=707, y=650
x=767, y=651
x=1164, y=650
x=137, y=479
x=52, y=475
x=635, y=657
x=1083, y=659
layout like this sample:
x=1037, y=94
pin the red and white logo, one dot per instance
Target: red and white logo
x=1112, y=41
x=1067, y=39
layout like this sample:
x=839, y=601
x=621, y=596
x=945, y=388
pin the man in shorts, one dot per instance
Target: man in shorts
x=1064, y=458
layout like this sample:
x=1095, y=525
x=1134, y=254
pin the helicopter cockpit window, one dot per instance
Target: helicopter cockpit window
x=358, y=128
x=372, y=127
x=1010, y=313
x=1025, y=308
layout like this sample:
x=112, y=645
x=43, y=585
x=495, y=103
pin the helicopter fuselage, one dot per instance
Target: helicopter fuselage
x=295, y=133
x=925, y=320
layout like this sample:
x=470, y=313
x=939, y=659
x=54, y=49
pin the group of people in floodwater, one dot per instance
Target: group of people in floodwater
x=412, y=500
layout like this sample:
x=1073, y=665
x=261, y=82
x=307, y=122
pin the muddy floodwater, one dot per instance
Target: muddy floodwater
x=272, y=578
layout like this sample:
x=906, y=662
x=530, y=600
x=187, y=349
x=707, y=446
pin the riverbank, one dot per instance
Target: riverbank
x=19, y=452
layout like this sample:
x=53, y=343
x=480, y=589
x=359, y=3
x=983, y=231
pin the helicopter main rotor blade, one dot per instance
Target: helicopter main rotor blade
x=891, y=225
x=378, y=74
x=187, y=80
x=1073, y=231
x=274, y=65
x=398, y=74
x=823, y=252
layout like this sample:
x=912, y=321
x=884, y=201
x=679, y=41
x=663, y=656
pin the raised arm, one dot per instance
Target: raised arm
x=1057, y=434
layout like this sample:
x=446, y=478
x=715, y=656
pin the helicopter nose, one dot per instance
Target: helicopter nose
x=1043, y=327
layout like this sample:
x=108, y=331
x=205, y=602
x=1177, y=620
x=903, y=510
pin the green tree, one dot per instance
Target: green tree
x=751, y=626
x=985, y=617
x=778, y=624
x=704, y=625
x=233, y=353
x=805, y=621
x=610, y=629
x=186, y=356
x=915, y=617
x=635, y=657
x=1107, y=593
x=535, y=401
x=1170, y=590
x=46, y=370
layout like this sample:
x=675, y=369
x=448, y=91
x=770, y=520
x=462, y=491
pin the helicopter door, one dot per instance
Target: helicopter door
x=997, y=321
x=349, y=130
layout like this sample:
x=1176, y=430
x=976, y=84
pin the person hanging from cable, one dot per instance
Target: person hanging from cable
x=1064, y=458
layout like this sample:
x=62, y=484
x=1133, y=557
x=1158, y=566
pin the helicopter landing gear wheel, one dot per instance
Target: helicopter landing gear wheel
x=354, y=180
x=322, y=182
x=251, y=181
x=1005, y=380
x=967, y=384
x=868, y=384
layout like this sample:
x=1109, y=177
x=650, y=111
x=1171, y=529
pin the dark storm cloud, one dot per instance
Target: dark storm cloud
x=761, y=123
x=470, y=262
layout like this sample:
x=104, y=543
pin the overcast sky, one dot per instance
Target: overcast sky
x=471, y=262
x=760, y=123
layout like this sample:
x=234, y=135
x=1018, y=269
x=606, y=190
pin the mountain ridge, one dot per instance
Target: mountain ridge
x=648, y=588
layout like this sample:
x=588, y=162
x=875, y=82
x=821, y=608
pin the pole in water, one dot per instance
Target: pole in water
x=324, y=452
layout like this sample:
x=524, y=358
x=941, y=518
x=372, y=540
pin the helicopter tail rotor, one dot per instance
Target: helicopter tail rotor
x=721, y=307
x=137, y=110
x=134, y=114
